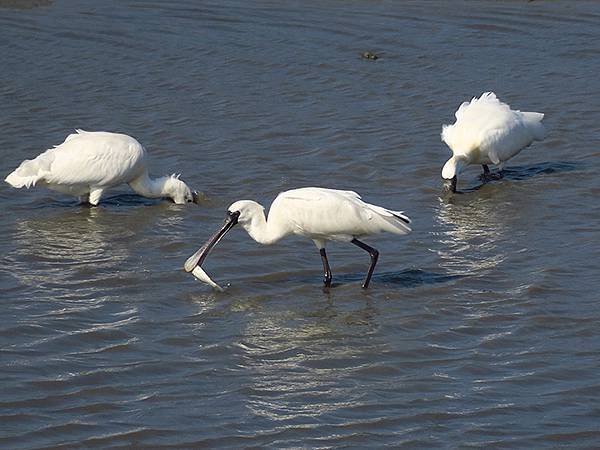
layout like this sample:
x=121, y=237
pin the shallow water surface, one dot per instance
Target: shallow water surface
x=480, y=327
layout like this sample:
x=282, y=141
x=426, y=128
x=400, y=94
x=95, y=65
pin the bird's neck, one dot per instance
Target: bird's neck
x=265, y=231
x=150, y=187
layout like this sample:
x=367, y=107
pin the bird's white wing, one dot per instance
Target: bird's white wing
x=516, y=131
x=482, y=114
x=316, y=194
x=461, y=110
x=487, y=124
x=95, y=158
x=472, y=119
x=335, y=214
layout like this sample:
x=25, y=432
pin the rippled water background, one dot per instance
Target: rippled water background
x=480, y=328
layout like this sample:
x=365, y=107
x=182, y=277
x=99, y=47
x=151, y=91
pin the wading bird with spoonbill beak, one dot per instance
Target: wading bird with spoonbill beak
x=86, y=164
x=316, y=213
x=487, y=131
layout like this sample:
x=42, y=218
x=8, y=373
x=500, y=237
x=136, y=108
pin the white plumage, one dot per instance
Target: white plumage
x=319, y=214
x=86, y=164
x=316, y=213
x=487, y=131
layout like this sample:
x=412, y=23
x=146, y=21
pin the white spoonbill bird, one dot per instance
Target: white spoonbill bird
x=317, y=213
x=487, y=131
x=89, y=163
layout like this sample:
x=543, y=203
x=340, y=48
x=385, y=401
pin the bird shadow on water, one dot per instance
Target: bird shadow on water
x=129, y=200
x=117, y=200
x=409, y=278
x=544, y=168
x=518, y=173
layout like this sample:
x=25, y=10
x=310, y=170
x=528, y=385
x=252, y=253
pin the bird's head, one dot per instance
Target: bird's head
x=178, y=191
x=450, y=172
x=247, y=211
x=244, y=212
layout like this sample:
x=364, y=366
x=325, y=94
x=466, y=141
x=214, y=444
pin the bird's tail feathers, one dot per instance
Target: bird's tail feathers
x=534, y=123
x=398, y=221
x=23, y=176
x=30, y=171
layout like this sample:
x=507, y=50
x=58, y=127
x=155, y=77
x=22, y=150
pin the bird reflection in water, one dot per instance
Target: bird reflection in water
x=470, y=229
x=295, y=357
x=77, y=246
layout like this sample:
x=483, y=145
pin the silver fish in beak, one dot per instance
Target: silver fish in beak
x=197, y=259
x=201, y=275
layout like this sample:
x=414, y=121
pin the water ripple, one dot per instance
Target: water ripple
x=479, y=328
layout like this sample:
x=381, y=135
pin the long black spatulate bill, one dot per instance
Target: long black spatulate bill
x=198, y=258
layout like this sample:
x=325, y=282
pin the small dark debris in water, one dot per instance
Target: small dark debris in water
x=370, y=55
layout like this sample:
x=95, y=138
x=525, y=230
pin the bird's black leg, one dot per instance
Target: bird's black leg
x=488, y=175
x=374, y=254
x=326, y=269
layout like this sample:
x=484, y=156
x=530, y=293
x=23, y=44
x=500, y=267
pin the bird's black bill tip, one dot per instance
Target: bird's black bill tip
x=450, y=185
x=196, y=197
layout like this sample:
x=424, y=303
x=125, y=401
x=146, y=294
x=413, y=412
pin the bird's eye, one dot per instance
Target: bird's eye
x=233, y=215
